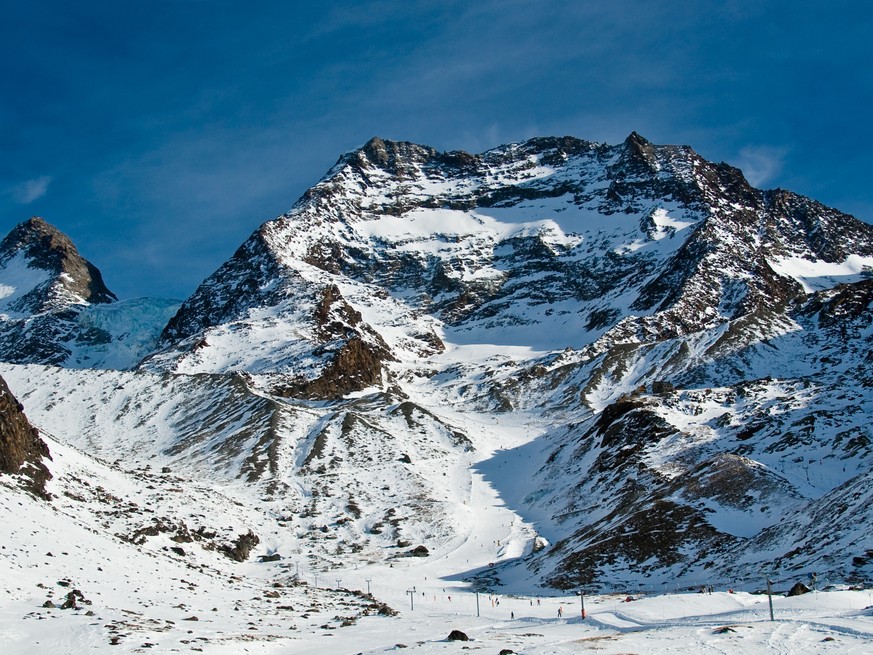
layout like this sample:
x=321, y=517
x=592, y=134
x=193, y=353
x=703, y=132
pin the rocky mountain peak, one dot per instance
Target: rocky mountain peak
x=638, y=156
x=394, y=157
x=55, y=307
x=45, y=247
x=557, y=240
x=639, y=145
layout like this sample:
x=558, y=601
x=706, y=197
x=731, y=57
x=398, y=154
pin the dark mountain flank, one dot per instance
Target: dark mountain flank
x=22, y=451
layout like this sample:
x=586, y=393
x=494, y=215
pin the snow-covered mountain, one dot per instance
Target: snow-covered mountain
x=652, y=370
x=56, y=309
x=547, y=244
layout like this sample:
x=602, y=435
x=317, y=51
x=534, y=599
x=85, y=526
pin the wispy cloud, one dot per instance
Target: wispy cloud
x=30, y=190
x=760, y=164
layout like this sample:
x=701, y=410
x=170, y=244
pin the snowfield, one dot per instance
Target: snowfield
x=171, y=591
x=149, y=598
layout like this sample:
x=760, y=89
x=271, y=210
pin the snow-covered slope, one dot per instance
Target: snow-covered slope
x=371, y=477
x=140, y=554
x=126, y=558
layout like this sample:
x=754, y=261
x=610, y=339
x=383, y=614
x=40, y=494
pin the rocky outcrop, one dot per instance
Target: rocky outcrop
x=357, y=365
x=22, y=451
x=240, y=549
x=642, y=522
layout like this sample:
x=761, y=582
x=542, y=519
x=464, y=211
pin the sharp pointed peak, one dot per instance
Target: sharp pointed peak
x=37, y=224
x=636, y=138
x=49, y=249
x=637, y=143
x=36, y=221
x=637, y=150
x=36, y=232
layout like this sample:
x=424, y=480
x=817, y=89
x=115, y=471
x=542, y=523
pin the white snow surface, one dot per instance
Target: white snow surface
x=19, y=279
x=817, y=275
x=148, y=598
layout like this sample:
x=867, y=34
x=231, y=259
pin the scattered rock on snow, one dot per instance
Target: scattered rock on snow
x=798, y=590
x=457, y=635
x=240, y=549
x=72, y=598
x=275, y=557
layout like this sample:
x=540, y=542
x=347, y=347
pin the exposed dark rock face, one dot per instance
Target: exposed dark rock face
x=250, y=272
x=21, y=449
x=457, y=635
x=798, y=589
x=643, y=523
x=240, y=549
x=845, y=308
x=355, y=366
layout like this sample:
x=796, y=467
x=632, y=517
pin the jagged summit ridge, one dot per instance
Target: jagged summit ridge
x=548, y=243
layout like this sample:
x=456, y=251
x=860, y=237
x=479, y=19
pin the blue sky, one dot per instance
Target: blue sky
x=160, y=134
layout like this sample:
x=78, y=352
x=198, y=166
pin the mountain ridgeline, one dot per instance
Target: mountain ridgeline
x=690, y=355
